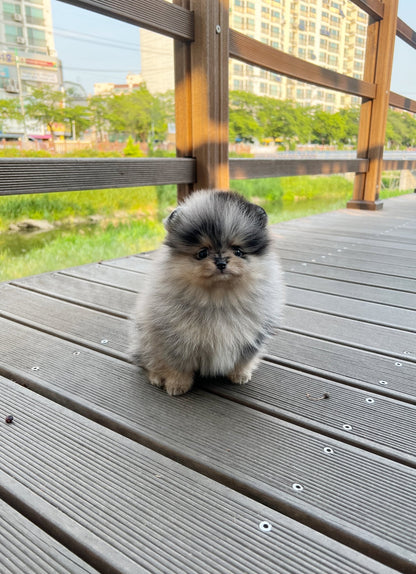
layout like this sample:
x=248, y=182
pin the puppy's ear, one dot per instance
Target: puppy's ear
x=260, y=215
x=170, y=220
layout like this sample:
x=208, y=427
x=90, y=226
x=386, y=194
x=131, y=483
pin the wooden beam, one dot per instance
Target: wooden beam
x=201, y=70
x=156, y=15
x=261, y=168
x=381, y=37
x=406, y=33
x=45, y=175
x=398, y=101
x=399, y=164
x=256, y=53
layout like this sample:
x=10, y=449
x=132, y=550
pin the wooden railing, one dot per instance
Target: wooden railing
x=203, y=45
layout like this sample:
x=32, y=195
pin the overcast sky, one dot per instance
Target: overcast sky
x=94, y=48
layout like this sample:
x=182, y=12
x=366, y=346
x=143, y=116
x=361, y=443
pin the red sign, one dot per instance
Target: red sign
x=31, y=62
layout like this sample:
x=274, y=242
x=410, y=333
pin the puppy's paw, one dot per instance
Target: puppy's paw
x=240, y=377
x=156, y=379
x=173, y=382
x=178, y=384
x=241, y=374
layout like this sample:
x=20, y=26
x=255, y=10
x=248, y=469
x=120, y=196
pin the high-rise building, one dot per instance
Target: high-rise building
x=27, y=49
x=330, y=33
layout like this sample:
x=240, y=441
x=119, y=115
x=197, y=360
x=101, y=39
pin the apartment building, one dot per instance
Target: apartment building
x=330, y=33
x=27, y=49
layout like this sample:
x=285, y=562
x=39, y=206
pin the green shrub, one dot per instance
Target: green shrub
x=132, y=149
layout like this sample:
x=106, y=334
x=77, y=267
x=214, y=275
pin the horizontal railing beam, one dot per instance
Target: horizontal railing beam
x=399, y=164
x=155, y=15
x=256, y=53
x=261, y=168
x=401, y=102
x=405, y=33
x=46, y=175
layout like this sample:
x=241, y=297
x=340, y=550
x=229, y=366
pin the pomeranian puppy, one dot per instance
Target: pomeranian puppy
x=214, y=296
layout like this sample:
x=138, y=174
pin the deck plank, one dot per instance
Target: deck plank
x=24, y=547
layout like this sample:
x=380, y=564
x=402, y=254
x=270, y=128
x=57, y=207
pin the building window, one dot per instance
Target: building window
x=12, y=33
x=238, y=21
x=250, y=24
x=34, y=16
x=36, y=37
x=11, y=12
x=332, y=60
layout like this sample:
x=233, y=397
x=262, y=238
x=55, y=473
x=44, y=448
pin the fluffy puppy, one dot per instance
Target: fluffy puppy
x=214, y=296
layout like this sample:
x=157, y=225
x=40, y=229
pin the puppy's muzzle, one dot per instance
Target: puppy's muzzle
x=220, y=263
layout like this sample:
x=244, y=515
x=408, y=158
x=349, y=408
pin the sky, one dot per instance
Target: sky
x=94, y=48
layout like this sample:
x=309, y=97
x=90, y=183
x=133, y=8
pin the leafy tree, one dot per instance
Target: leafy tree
x=138, y=114
x=284, y=120
x=328, y=128
x=244, y=117
x=9, y=110
x=350, y=118
x=46, y=105
x=98, y=111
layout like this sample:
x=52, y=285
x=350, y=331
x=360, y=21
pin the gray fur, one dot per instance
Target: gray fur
x=196, y=316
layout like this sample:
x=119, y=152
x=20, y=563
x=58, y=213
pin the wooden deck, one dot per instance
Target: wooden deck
x=99, y=471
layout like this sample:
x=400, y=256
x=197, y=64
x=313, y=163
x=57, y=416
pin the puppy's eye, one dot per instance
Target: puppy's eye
x=202, y=254
x=237, y=252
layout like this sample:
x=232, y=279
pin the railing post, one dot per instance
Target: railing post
x=201, y=93
x=381, y=36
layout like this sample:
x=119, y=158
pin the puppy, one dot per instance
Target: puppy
x=214, y=296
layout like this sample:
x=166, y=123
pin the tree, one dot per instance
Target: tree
x=138, y=114
x=47, y=105
x=244, y=122
x=285, y=121
x=98, y=112
x=328, y=128
x=9, y=110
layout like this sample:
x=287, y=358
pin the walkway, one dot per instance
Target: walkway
x=310, y=468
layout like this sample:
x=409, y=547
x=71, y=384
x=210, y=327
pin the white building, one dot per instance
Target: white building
x=27, y=51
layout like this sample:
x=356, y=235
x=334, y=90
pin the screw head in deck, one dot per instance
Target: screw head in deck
x=265, y=526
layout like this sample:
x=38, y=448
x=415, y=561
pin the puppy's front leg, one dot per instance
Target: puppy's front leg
x=242, y=372
x=174, y=382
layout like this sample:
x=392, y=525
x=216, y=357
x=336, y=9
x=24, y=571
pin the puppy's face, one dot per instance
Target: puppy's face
x=216, y=239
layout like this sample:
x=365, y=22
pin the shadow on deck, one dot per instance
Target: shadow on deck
x=101, y=471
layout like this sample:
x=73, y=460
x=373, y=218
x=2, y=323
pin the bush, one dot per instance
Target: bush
x=132, y=149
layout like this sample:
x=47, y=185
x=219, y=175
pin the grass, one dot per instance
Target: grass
x=75, y=247
x=130, y=220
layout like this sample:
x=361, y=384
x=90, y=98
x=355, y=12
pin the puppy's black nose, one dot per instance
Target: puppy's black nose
x=221, y=263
